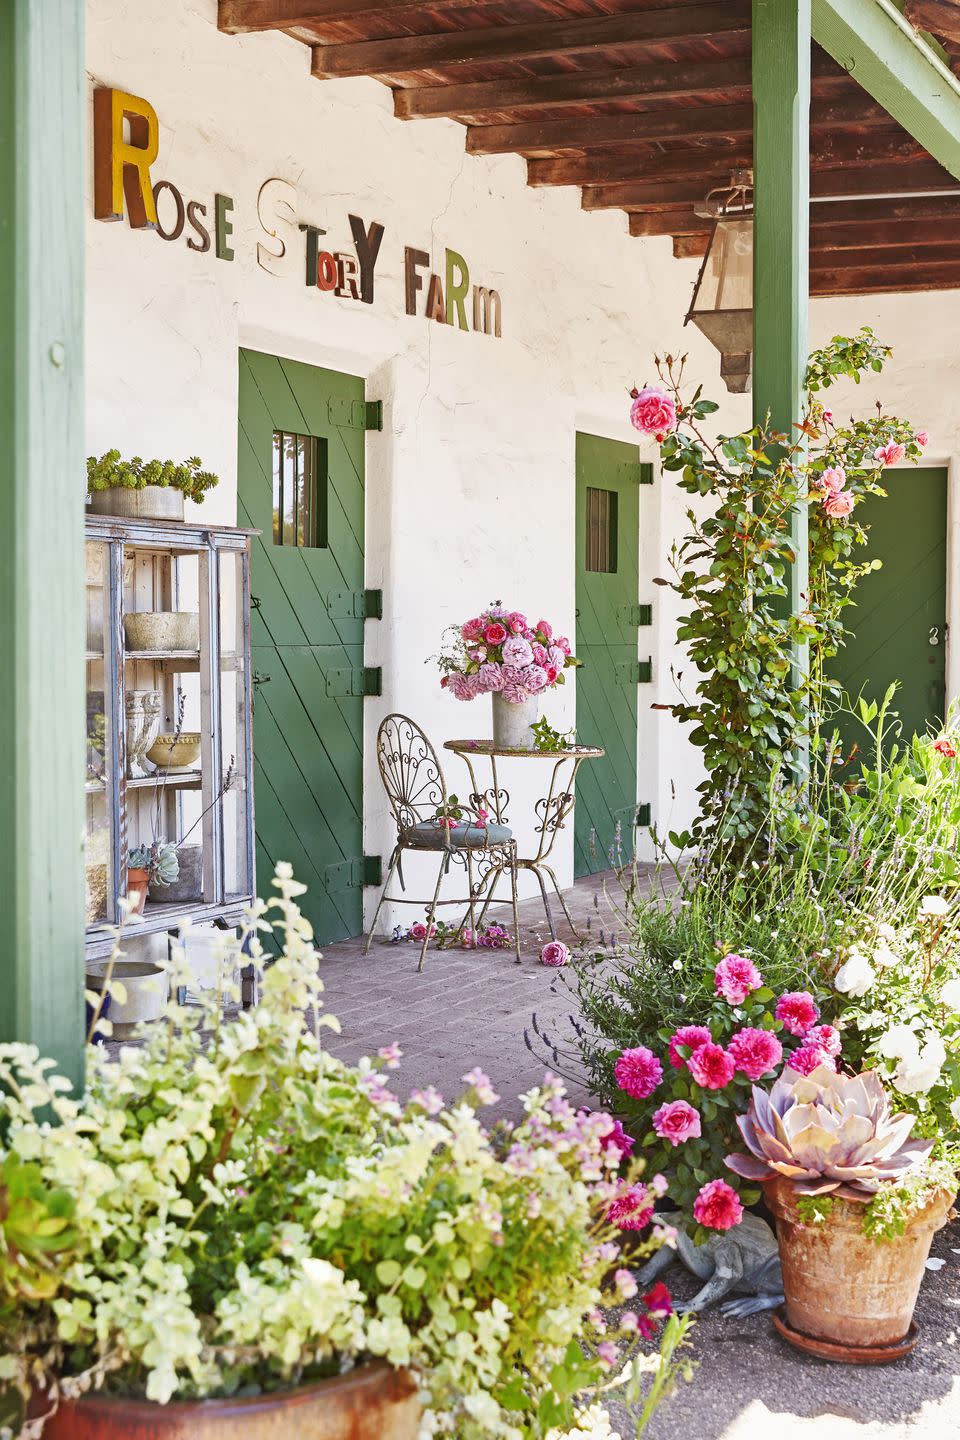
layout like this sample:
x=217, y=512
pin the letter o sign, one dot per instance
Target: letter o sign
x=327, y=273
x=177, y=230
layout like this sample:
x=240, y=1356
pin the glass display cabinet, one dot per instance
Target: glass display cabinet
x=169, y=735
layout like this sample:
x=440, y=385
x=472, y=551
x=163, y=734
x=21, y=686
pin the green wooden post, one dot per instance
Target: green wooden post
x=42, y=639
x=781, y=160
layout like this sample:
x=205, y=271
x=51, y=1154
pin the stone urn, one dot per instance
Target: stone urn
x=850, y=1297
x=512, y=724
x=373, y=1402
x=153, y=502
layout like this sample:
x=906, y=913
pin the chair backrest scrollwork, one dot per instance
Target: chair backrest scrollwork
x=410, y=771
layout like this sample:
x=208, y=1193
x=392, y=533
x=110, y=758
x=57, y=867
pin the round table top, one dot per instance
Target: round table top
x=487, y=747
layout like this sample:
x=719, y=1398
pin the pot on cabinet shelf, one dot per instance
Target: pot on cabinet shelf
x=373, y=1402
x=138, y=881
x=849, y=1296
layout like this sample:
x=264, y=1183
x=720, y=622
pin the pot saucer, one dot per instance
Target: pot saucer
x=845, y=1354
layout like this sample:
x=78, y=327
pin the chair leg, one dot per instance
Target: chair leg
x=431, y=913
x=513, y=897
x=473, y=908
x=394, y=862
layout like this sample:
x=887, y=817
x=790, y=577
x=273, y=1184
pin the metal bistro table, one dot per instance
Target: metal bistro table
x=551, y=812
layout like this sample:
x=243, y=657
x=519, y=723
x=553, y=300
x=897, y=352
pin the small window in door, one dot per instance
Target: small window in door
x=299, y=490
x=601, y=531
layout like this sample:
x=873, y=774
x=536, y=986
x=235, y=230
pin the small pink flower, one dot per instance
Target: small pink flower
x=838, y=505
x=632, y=1210
x=922, y=438
x=653, y=411
x=891, y=453
x=755, y=1052
x=430, y=1100
x=418, y=930
x=618, y=1139
x=626, y=1284
x=735, y=977
x=495, y=634
x=827, y=416
x=391, y=1055
x=807, y=1059
x=798, y=1011
x=826, y=1038
x=689, y=1035
x=833, y=479
x=676, y=1122
x=544, y=628
x=480, y=1084
x=638, y=1072
x=554, y=953
x=659, y=1185
x=630, y=1321
x=472, y=630
x=608, y=1354
x=711, y=1066
x=717, y=1206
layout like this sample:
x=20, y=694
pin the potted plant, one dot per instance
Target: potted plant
x=145, y=490
x=234, y=1233
x=154, y=864
x=857, y=1204
x=499, y=653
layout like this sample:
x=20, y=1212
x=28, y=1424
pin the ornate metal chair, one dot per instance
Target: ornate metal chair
x=416, y=789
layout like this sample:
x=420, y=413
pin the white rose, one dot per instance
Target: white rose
x=955, y=1111
x=950, y=995
x=855, y=976
x=899, y=1043
x=917, y=1073
x=933, y=905
x=885, y=957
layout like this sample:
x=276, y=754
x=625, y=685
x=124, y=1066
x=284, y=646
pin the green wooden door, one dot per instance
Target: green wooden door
x=301, y=431
x=608, y=537
x=899, y=618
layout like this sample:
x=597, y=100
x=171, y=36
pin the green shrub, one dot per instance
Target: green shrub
x=110, y=472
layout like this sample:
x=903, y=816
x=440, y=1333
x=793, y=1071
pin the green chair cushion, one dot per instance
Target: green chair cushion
x=428, y=835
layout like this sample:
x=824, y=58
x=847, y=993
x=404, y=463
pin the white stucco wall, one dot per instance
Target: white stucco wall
x=471, y=484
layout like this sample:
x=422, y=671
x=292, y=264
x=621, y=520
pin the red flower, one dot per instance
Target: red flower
x=798, y=1011
x=631, y=1211
x=619, y=1139
x=638, y=1072
x=658, y=1301
x=711, y=1066
x=808, y=1057
x=755, y=1052
x=689, y=1035
x=944, y=748
x=717, y=1206
x=495, y=634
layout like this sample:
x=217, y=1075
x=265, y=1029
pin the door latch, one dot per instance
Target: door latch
x=934, y=637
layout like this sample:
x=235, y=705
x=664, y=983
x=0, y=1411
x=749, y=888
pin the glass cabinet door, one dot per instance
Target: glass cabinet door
x=236, y=739
x=100, y=873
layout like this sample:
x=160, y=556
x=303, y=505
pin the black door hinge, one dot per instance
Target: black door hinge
x=356, y=414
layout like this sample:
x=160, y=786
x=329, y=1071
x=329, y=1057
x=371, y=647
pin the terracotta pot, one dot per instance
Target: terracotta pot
x=373, y=1402
x=842, y=1286
x=137, y=882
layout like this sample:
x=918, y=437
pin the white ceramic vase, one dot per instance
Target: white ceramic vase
x=512, y=724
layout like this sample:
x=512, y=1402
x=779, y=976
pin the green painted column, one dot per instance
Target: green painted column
x=781, y=161
x=42, y=637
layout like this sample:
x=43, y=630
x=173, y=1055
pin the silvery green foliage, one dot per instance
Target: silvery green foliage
x=230, y=1207
x=831, y=1134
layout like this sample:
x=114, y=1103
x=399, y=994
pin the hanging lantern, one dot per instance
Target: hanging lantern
x=722, y=304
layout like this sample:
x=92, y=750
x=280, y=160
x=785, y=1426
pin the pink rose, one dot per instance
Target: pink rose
x=838, y=505
x=517, y=652
x=808, y=1058
x=755, y=1052
x=711, y=1066
x=554, y=953
x=517, y=622
x=638, y=1072
x=490, y=676
x=551, y=673
x=556, y=656
x=735, y=977
x=562, y=643
x=825, y=1038
x=472, y=630
x=689, y=1035
x=618, y=1139
x=891, y=453
x=460, y=687
x=653, y=411
x=631, y=1211
x=833, y=478
x=922, y=438
x=717, y=1206
x=495, y=634
x=544, y=629
x=828, y=416
x=541, y=656
x=676, y=1122
x=511, y=675
x=534, y=679
x=513, y=694
x=798, y=1011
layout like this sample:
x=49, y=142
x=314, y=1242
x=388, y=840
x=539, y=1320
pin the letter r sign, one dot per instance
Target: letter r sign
x=121, y=168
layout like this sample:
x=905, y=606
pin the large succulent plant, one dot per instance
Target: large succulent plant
x=828, y=1133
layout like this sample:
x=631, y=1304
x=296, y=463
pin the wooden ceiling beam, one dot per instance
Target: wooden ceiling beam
x=645, y=29
x=601, y=167
x=901, y=257
x=916, y=216
x=884, y=180
x=245, y=17
x=884, y=280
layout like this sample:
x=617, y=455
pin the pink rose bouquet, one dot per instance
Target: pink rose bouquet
x=501, y=651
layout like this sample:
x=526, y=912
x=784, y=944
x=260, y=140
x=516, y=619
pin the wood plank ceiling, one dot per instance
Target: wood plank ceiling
x=646, y=104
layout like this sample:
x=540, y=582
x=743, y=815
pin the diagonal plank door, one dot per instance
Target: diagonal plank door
x=608, y=521
x=307, y=642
